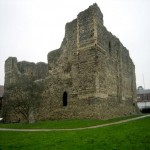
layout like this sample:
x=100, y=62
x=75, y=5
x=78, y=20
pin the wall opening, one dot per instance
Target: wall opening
x=65, y=98
x=110, y=47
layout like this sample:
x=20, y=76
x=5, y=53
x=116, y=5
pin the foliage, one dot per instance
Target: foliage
x=133, y=135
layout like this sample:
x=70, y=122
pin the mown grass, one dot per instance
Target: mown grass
x=133, y=135
x=63, y=123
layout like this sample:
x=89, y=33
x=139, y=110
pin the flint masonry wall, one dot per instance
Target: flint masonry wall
x=91, y=66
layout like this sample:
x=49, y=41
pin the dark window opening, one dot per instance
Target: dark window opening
x=65, y=96
x=109, y=47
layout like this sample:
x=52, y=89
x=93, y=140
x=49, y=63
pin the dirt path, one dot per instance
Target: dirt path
x=75, y=129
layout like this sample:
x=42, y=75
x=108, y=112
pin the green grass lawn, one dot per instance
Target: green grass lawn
x=133, y=135
x=63, y=123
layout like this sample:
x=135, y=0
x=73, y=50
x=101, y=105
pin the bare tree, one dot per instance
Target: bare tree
x=24, y=96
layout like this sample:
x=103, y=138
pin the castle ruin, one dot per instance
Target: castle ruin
x=91, y=75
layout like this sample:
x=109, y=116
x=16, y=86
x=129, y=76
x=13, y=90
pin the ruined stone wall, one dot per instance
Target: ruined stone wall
x=14, y=69
x=38, y=70
x=91, y=66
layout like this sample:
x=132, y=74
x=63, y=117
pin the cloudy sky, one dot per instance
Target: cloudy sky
x=29, y=29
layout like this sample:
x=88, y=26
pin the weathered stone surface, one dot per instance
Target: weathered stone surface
x=14, y=69
x=91, y=66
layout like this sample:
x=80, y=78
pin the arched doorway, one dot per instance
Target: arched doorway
x=65, y=98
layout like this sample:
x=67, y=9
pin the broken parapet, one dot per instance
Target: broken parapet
x=14, y=69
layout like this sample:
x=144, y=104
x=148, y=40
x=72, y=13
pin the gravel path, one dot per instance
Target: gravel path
x=75, y=129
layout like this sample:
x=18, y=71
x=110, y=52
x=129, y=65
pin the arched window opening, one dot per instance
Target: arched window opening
x=65, y=96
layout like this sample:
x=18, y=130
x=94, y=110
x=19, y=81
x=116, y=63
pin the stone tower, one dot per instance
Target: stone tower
x=91, y=75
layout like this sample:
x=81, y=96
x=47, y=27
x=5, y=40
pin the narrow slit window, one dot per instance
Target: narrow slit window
x=110, y=47
x=65, y=99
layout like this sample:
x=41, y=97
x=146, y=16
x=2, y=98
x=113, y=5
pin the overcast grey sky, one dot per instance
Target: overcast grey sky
x=29, y=29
